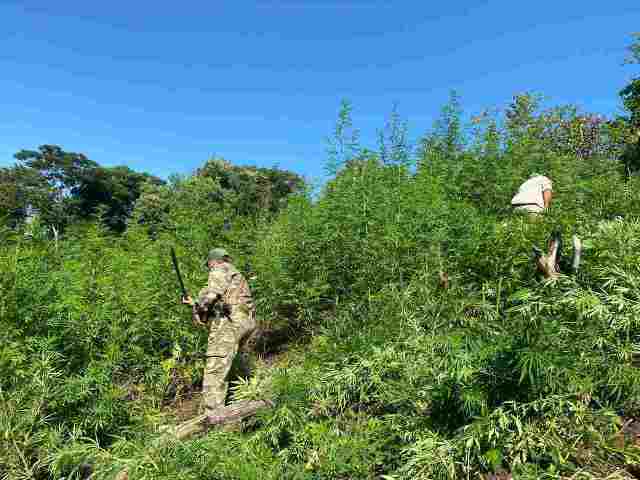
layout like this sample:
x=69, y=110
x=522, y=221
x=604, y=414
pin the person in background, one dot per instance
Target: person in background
x=534, y=196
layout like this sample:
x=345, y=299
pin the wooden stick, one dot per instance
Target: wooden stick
x=577, y=254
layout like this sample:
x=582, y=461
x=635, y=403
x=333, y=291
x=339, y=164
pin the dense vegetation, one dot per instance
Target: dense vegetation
x=387, y=374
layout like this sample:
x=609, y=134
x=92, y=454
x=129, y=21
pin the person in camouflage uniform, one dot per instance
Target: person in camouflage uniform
x=226, y=308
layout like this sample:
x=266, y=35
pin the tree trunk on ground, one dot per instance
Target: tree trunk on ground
x=227, y=414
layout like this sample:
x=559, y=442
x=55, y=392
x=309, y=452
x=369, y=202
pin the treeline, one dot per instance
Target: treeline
x=64, y=188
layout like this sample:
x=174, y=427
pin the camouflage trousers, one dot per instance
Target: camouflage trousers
x=231, y=334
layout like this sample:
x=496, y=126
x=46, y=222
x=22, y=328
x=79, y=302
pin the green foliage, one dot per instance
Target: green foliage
x=390, y=373
x=441, y=148
x=631, y=124
x=254, y=190
x=66, y=187
x=631, y=100
x=344, y=145
x=62, y=170
x=448, y=371
x=375, y=225
x=627, y=127
x=114, y=191
x=634, y=50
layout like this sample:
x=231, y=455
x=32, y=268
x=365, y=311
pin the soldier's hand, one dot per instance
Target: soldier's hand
x=187, y=300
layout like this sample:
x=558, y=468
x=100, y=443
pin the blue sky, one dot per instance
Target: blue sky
x=161, y=86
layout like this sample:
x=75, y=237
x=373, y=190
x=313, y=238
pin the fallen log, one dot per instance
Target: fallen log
x=227, y=414
x=238, y=411
x=190, y=427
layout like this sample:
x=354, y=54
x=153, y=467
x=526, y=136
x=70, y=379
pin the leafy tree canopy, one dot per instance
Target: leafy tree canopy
x=257, y=189
x=628, y=126
x=66, y=187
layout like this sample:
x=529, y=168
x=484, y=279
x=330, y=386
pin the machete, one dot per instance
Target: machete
x=185, y=294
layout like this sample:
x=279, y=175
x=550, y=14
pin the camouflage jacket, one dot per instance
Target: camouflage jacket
x=227, y=286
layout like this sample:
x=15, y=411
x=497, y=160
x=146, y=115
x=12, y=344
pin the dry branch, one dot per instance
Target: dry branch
x=549, y=263
x=577, y=254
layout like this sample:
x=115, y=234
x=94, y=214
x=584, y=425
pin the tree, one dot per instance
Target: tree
x=64, y=187
x=47, y=180
x=254, y=189
x=633, y=54
x=20, y=187
x=116, y=189
x=631, y=100
x=62, y=170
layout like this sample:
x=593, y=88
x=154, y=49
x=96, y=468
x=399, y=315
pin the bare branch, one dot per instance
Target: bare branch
x=555, y=250
x=549, y=263
x=577, y=254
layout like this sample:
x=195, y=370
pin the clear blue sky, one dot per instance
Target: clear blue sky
x=160, y=86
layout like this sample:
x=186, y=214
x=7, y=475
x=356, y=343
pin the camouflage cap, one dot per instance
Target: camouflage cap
x=216, y=254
